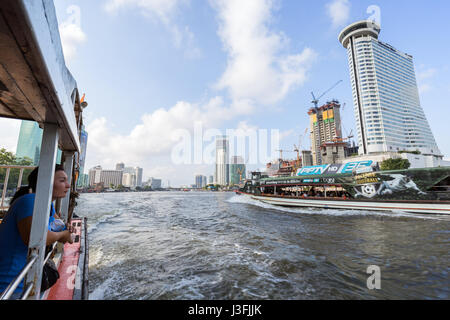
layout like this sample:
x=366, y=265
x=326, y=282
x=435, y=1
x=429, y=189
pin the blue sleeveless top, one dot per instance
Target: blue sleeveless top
x=13, y=251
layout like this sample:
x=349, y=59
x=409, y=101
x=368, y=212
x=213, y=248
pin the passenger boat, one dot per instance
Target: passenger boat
x=36, y=85
x=358, y=186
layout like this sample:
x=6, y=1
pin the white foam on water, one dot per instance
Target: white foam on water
x=189, y=287
x=334, y=212
x=99, y=291
x=104, y=219
x=250, y=293
x=95, y=255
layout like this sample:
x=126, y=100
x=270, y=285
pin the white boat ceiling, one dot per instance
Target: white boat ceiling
x=35, y=83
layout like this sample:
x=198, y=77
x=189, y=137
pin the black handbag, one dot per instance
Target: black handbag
x=50, y=274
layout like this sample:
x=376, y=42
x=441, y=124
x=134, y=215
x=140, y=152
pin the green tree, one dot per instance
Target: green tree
x=8, y=158
x=395, y=164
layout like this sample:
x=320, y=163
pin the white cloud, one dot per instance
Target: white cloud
x=151, y=143
x=339, y=12
x=162, y=10
x=71, y=33
x=257, y=69
x=9, y=133
x=155, y=136
x=259, y=72
x=423, y=77
x=424, y=88
x=286, y=134
x=426, y=74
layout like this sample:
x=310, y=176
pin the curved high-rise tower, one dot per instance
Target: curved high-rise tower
x=387, y=107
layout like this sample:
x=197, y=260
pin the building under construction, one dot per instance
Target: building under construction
x=326, y=134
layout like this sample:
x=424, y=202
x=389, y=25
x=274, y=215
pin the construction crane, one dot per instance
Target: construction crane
x=316, y=100
x=302, y=136
x=281, y=153
x=296, y=149
x=344, y=139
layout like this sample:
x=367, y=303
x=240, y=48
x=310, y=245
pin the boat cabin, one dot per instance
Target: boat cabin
x=36, y=85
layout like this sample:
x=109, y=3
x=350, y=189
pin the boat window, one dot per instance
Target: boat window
x=442, y=186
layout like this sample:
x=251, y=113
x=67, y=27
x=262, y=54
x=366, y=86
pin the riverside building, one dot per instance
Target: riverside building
x=154, y=183
x=132, y=176
x=389, y=117
x=94, y=175
x=111, y=178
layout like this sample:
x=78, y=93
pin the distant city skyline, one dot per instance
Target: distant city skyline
x=121, y=175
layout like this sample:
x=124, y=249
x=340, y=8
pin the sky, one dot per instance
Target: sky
x=163, y=75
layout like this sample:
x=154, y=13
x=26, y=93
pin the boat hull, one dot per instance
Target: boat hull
x=73, y=267
x=413, y=207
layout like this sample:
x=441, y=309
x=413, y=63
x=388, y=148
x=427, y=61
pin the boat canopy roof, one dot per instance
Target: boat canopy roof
x=35, y=83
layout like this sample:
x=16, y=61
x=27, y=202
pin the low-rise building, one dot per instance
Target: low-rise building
x=154, y=183
x=111, y=177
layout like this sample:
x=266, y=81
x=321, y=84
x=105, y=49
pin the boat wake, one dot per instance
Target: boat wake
x=94, y=225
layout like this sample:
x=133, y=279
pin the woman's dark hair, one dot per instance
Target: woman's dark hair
x=32, y=183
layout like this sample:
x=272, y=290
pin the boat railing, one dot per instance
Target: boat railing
x=5, y=170
x=3, y=206
x=15, y=283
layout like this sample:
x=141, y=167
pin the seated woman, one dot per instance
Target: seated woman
x=16, y=226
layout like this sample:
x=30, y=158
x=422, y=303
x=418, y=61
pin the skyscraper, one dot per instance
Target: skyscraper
x=198, y=181
x=120, y=166
x=94, y=175
x=29, y=143
x=387, y=108
x=204, y=181
x=82, y=157
x=138, y=172
x=237, y=170
x=325, y=124
x=222, y=160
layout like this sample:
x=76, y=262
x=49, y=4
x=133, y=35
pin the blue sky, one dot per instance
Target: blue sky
x=150, y=67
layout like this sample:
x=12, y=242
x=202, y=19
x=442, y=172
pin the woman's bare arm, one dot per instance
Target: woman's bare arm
x=24, y=227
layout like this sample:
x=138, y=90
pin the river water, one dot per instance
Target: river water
x=218, y=245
